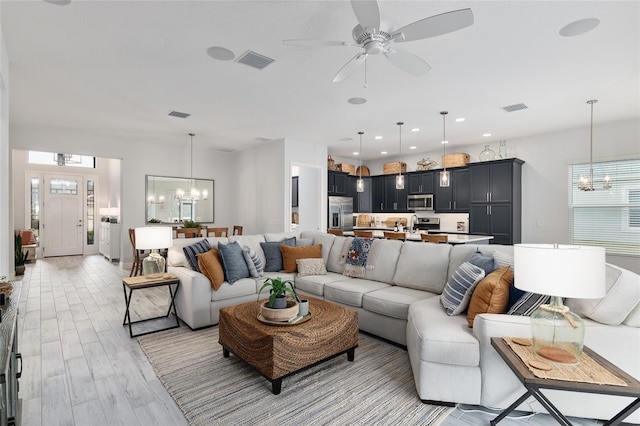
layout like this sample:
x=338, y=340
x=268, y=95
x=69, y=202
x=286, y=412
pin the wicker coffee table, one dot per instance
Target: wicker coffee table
x=278, y=351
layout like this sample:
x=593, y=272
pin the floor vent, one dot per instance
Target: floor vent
x=254, y=60
x=514, y=107
x=179, y=114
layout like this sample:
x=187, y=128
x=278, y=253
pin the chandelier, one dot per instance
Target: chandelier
x=194, y=194
x=586, y=184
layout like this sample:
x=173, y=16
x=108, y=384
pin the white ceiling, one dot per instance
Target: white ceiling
x=119, y=67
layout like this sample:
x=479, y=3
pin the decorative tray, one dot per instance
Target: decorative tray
x=300, y=321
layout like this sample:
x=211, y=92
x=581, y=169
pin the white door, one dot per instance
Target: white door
x=63, y=227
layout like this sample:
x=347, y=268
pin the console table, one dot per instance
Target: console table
x=9, y=357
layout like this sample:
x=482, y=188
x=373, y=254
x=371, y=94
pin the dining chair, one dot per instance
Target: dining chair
x=237, y=230
x=435, y=238
x=136, y=268
x=188, y=232
x=390, y=235
x=362, y=233
x=335, y=231
x=216, y=232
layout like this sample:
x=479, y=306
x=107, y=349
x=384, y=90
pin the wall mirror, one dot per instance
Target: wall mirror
x=174, y=199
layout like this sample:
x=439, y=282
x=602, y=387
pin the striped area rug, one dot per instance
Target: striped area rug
x=377, y=388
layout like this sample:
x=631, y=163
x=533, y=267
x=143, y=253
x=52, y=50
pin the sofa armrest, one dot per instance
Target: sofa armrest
x=193, y=301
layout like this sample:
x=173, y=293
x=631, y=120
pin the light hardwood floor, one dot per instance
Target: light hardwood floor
x=80, y=367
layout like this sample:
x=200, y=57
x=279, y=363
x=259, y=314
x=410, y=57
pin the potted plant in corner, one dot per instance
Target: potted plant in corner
x=19, y=255
x=190, y=224
x=278, y=308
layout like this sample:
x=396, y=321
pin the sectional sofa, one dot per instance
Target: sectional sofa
x=398, y=299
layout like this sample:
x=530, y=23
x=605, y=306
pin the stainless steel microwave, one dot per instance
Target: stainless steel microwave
x=420, y=202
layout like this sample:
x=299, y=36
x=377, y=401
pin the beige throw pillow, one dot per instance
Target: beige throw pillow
x=311, y=267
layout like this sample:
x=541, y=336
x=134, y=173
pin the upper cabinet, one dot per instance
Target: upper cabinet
x=386, y=198
x=362, y=201
x=492, y=182
x=455, y=197
x=338, y=183
x=420, y=182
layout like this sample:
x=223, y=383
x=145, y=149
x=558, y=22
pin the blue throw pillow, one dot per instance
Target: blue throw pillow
x=233, y=262
x=487, y=263
x=273, y=255
x=457, y=292
x=192, y=252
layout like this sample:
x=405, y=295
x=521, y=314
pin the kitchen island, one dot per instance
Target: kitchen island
x=452, y=238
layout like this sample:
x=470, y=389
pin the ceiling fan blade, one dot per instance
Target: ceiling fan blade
x=434, y=26
x=407, y=62
x=350, y=67
x=317, y=43
x=367, y=12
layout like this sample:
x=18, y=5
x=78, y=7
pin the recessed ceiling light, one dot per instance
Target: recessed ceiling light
x=460, y=119
x=443, y=142
x=357, y=101
x=486, y=135
x=579, y=27
x=415, y=129
x=356, y=153
x=384, y=153
x=220, y=53
x=412, y=147
x=378, y=137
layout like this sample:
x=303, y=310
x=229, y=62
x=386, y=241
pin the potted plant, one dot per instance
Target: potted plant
x=278, y=292
x=154, y=220
x=20, y=256
x=190, y=224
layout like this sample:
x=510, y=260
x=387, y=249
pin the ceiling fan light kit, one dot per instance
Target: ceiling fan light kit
x=376, y=37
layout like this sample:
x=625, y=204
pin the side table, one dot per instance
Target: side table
x=534, y=385
x=140, y=282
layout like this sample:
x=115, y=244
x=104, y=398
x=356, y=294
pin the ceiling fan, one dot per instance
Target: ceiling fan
x=375, y=37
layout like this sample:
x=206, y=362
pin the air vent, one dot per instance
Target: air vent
x=261, y=139
x=345, y=139
x=254, y=60
x=179, y=114
x=514, y=107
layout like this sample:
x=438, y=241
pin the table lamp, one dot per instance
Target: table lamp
x=559, y=271
x=153, y=238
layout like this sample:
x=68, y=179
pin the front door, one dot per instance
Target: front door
x=63, y=227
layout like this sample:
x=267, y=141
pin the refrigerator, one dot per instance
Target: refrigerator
x=341, y=213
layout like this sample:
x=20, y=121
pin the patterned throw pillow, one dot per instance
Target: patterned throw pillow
x=528, y=303
x=311, y=267
x=503, y=259
x=256, y=270
x=233, y=261
x=192, y=252
x=458, y=290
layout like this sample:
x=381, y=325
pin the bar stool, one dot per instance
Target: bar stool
x=389, y=235
x=435, y=238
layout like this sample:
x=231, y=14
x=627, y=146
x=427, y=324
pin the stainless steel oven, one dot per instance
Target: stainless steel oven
x=419, y=202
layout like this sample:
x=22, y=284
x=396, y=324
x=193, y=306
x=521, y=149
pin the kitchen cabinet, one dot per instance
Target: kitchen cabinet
x=496, y=200
x=362, y=201
x=109, y=240
x=338, y=183
x=386, y=198
x=420, y=183
x=455, y=197
x=294, y=191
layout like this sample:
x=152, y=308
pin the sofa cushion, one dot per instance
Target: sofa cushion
x=393, y=301
x=491, y=295
x=450, y=343
x=459, y=288
x=273, y=254
x=242, y=287
x=335, y=262
x=382, y=266
x=314, y=284
x=320, y=238
x=279, y=236
x=256, y=269
x=351, y=290
x=311, y=267
x=191, y=252
x=211, y=267
x=252, y=241
x=423, y=266
x=622, y=296
x=176, y=256
x=633, y=319
x=291, y=254
x=235, y=267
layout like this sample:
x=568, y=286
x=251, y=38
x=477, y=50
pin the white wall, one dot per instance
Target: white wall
x=6, y=214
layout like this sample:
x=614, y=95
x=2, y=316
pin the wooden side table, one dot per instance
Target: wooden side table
x=534, y=385
x=140, y=282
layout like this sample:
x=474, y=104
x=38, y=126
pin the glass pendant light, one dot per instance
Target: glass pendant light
x=360, y=182
x=444, y=174
x=586, y=184
x=400, y=177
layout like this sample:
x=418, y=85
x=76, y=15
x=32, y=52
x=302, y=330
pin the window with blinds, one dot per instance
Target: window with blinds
x=608, y=218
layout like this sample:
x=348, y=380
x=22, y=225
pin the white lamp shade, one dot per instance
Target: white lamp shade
x=153, y=237
x=560, y=270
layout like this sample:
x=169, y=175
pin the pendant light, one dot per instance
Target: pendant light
x=193, y=194
x=400, y=177
x=586, y=184
x=360, y=182
x=444, y=174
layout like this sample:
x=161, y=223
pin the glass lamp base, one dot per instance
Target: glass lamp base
x=558, y=334
x=153, y=265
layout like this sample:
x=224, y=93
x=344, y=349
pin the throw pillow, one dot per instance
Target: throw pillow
x=192, y=253
x=311, y=267
x=211, y=267
x=491, y=295
x=300, y=242
x=457, y=292
x=487, y=263
x=515, y=294
x=503, y=259
x=273, y=255
x=291, y=254
x=232, y=258
x=253, y=262
x=528, y=303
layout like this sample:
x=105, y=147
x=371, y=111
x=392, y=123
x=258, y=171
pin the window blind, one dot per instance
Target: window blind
x=608, y=218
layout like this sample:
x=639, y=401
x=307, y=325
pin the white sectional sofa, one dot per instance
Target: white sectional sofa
x=399, y=300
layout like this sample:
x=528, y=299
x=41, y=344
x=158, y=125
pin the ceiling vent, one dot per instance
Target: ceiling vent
x=514, y=107
x=345, y=139
x=261, y=139
x=254, y=60
x=179, y=114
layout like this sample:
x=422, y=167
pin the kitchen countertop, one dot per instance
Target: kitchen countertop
x=453, y=238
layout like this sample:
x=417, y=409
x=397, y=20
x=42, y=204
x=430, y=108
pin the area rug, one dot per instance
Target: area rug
x=377, y=388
